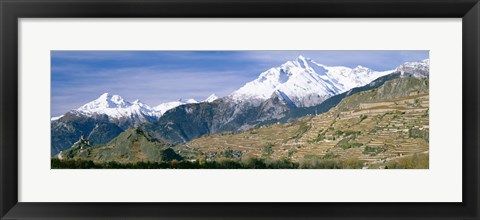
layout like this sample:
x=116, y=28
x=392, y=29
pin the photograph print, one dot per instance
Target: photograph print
x=255, y=109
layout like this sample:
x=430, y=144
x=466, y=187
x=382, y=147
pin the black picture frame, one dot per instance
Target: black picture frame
x=12, y=10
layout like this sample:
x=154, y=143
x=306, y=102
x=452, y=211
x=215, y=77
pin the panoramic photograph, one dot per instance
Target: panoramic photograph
x=253, y=109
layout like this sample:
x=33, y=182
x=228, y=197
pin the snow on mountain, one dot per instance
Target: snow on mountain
x=211, y=98
x=190, y=101
x=419, y=69
x=164, y=107
x=301, y=82
x=306, y=82
x=56, y=118
x=115, y=107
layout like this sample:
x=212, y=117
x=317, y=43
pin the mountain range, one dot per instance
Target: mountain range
x=304, y=82
x=291, y=90
x=115, y=107
x=382, y=126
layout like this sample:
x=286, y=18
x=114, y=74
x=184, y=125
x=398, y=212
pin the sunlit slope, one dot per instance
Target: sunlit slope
x=375, y=126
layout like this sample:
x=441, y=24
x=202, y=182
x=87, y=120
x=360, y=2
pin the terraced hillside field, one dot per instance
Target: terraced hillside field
x=375, y=127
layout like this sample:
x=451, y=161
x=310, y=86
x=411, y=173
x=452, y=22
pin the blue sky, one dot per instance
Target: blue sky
x=155, y=77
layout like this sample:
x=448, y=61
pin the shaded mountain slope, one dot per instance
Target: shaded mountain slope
x=190, y=121
x=67, y=130
x=132, y=145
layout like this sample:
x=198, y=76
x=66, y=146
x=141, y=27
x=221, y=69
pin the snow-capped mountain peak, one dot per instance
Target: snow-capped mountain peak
x=415, y=69
x=306, y=82
x=137, y=102
x=105, y=101
x=302, y=81
x=302, y=62
x=191, y=101
x=360, y=69
x=187, y=101
x=211, y=98
x=115, y=107
x=56, y=118
x=118, y=100
x=164, y=107
x=301, y=57
x=423, y=64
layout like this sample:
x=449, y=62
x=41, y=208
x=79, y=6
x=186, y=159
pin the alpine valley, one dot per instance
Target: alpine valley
x=301, y=114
